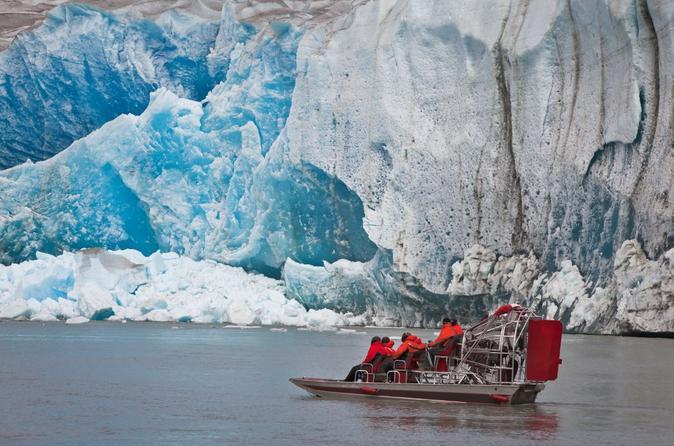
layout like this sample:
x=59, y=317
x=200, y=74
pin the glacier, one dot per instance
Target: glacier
x=95, y=284
x=397, y=160
x=191, y=177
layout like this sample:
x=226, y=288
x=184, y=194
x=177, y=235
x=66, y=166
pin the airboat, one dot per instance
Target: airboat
x=505, y=358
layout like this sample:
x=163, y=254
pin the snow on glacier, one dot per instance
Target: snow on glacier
x=96, y=284
x=83, y=67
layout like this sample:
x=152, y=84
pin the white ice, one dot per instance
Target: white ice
x=125, y=285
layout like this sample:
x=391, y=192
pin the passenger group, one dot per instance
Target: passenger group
x=382, y=355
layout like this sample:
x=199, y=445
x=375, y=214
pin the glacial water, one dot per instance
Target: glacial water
x=151, y=383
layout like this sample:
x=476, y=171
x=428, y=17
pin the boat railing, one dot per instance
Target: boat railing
x=365, y=373
x=494, y=350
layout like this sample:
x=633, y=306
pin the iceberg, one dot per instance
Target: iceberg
x=75, y=320
x=95, y=284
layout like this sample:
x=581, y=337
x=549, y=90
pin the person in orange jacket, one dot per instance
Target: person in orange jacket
x=442, y=344
x=414, y=339
x=410, y=343
x=375, y=353
x=446, y=332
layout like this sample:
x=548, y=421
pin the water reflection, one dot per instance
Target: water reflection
x=527, y=421
x=542, y=422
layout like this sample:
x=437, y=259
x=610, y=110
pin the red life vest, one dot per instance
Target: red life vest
x=375, y=348
x=388, y=348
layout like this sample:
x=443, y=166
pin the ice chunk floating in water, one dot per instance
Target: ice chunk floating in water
x=125, y=285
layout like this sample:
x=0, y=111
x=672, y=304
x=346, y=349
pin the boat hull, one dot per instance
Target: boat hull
x=448, y=393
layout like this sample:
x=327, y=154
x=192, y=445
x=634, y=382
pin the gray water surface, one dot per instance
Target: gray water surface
x=145, y=383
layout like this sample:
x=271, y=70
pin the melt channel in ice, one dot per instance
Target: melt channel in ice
x=126, y=285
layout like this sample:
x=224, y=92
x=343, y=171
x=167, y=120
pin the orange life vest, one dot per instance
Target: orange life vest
x=446, y=332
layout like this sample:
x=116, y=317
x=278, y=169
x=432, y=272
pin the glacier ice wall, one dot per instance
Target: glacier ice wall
x=389, y=148
x=83, y=67
x=639, y=300
x=204, y=178
x=541, y=131
x=516, y=125
x=378, y=293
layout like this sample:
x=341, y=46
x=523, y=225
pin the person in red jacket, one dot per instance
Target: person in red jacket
x=376, y=350
x=457, y=328
x=414, y=339
x=410, y=343
x=388, y=345
x=448, y=337
x=375, y=347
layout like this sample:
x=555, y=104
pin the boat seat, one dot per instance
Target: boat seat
x=401, y=367
x=371, y=368
x=365, y=373
x=399, y=373
x=441, y=363
x=441, y=359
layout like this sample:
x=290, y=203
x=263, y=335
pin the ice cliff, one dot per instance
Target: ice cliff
x=394, y=159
